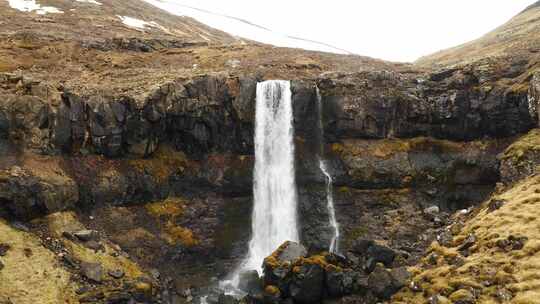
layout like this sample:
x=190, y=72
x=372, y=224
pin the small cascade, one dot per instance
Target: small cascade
x=334, y=243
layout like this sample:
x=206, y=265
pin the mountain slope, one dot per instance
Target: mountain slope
x=518, y=38
x=86, y=19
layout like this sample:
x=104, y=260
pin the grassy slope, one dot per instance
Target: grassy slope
x=488, y=269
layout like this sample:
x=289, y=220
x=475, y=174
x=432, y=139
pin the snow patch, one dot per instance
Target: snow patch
x=89, y=1
x=138, y=23
x=243, y=28
x=31, y=6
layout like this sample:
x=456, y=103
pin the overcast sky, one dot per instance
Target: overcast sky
x=388, y=29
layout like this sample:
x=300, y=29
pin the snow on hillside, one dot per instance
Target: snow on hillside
x=243, y=28
x=32, y=6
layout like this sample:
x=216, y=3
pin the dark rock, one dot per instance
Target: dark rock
x=82, y=290
x=92, y=271
x=70, y=261
x=1, y=265
x=512, y=243
x=400, y=277
x=495, y=204
x=87, y=235
x=307, y=285
x=380, y=282
x=118, y=297
x=117, y=274
x=92, y=298
x=4, y=249
x=384, y=283
x=379, y=254
x=250, y=282
x=227, y=299
x=339, y=282
x=94, y=245
x=360, y=246
x=468, y=243
x=272, y=295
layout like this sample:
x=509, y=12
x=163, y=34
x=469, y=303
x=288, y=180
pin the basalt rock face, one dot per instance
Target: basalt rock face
x=167, y=174
x=451, y=104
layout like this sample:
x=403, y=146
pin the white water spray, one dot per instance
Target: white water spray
x=274, y=218
x=334, y=243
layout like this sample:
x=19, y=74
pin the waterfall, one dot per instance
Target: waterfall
x=334, y=243
x=274, y=218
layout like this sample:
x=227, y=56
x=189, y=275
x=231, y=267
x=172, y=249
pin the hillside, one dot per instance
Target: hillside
x=518, y=39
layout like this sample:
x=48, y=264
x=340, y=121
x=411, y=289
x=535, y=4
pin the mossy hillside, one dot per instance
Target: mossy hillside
x=32, y=273
x=61, y=222
x=167, y=212
x=488, y=268
x=530, y=143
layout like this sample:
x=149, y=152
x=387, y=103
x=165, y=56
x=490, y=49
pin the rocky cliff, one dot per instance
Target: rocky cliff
x=127, y=154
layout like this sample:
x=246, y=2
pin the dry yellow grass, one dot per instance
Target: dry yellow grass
x=517, y=271
x=32, y=273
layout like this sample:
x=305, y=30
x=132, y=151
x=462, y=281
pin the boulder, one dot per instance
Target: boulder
x=384, y=282
x=250, y=282
x=92, y=271
x=339, y=282
x=307, y=284
x=277, y=267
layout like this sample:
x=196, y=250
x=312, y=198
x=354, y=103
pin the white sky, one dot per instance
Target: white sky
x=388, y=29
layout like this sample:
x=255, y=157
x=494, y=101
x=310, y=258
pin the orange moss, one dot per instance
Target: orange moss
x=176, y=234
x=271, y=290
x=163, y=163
x=171, y=207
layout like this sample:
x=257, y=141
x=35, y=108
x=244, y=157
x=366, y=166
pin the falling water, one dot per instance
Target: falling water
x=334, y=243
x=274, y=218
x=274, y=212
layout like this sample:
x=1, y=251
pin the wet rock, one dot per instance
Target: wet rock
x=250, y=282
x=227, y=299
x=117, y=274
x=291, y=251
x=92, y=271
x=277, y=267
x=307, y=284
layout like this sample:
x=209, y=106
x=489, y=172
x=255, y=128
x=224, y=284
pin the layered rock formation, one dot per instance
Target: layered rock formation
x=127, y=138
